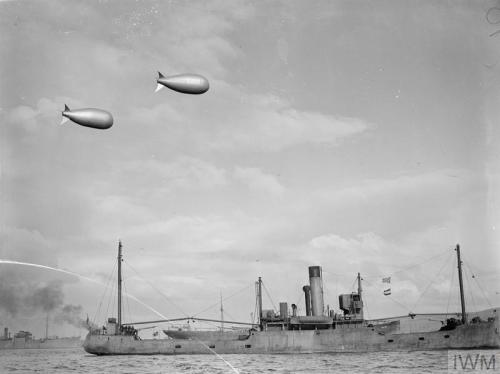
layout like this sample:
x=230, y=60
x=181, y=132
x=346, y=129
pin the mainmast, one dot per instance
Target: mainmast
x=47, y=327
x=221, y=314
x=462, y=298
x=259, y=301
x=119, y=284
x=360, y=290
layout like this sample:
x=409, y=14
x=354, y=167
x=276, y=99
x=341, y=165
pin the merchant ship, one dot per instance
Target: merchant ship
x=317, y=331
x=26, y=340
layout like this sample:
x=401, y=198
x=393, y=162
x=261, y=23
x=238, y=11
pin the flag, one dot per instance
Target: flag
x=387, y=292
x=386, y=280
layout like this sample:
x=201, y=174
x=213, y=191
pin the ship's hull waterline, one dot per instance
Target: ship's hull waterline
x=359, y=339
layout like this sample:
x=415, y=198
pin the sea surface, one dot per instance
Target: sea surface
x=78, y=361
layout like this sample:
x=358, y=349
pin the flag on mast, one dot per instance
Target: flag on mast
x=386, y=280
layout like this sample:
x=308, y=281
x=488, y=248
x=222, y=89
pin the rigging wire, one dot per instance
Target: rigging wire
x=156, y=289
x=353, y=283
x=451, y=286
x=432, y=280
x=229, y=315
x=126, y=299
x=112, y=299
x=409, y=267
x=470, y=290
x=391, y=298
x=475, y=277
x=224, y=299
x=103, y=294
x=269, y=296
x=399, y=303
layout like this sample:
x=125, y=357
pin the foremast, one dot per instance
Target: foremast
x=462, y=298
x=360, y=290
x=119, y=322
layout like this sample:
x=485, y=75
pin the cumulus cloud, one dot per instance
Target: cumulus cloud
x=409, y=203
x=33, y=119
x=182, y=173
x=269, y=123
x=259, y=181
x=235, y=120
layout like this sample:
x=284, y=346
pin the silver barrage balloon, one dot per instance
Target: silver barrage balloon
x=88, y=117
x=193, y=84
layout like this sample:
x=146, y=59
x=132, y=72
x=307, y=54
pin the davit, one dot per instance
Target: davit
x=88, y=117
x=193, y=84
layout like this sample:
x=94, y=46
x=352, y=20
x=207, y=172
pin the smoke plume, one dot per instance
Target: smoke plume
x=72, y=315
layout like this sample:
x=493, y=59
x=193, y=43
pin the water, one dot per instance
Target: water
x=77, y=361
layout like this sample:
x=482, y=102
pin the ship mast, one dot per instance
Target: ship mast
x=119, y=283
x=462, y=298
x=221, y=314
x=259, y=301
x=360, y=290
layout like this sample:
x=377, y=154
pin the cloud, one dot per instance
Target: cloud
x=230, y=119
x=268, y=123
x=182, y=173
x=32, y=120
x=401, y=204
x=259, y=181
x=21, y=244
x=184, y=234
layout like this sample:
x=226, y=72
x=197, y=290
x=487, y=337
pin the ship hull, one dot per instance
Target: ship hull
x=356, y=339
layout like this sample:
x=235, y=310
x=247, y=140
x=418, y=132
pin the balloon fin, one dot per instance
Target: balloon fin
x=66, y=109
x=160, y=75
x=64, y=120
x=159, y=87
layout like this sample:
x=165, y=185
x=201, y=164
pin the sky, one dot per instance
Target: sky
x=358, y=136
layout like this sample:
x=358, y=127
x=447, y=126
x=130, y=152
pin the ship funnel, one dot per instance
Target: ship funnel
x=316, y=282
x=307, y=294
x=283, y=311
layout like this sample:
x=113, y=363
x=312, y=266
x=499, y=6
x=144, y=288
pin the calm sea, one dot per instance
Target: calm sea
x=78, y=361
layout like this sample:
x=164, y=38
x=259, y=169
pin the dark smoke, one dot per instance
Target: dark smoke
x=18, y=297
x=10, y=301
x=72, y=315
x=47, y=298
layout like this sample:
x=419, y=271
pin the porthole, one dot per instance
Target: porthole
x=421, y=338
x=178, y=346
x=390, y=341
x=446, y=336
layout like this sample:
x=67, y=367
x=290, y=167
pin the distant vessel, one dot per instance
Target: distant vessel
x=25, y=340
x=315, y=332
